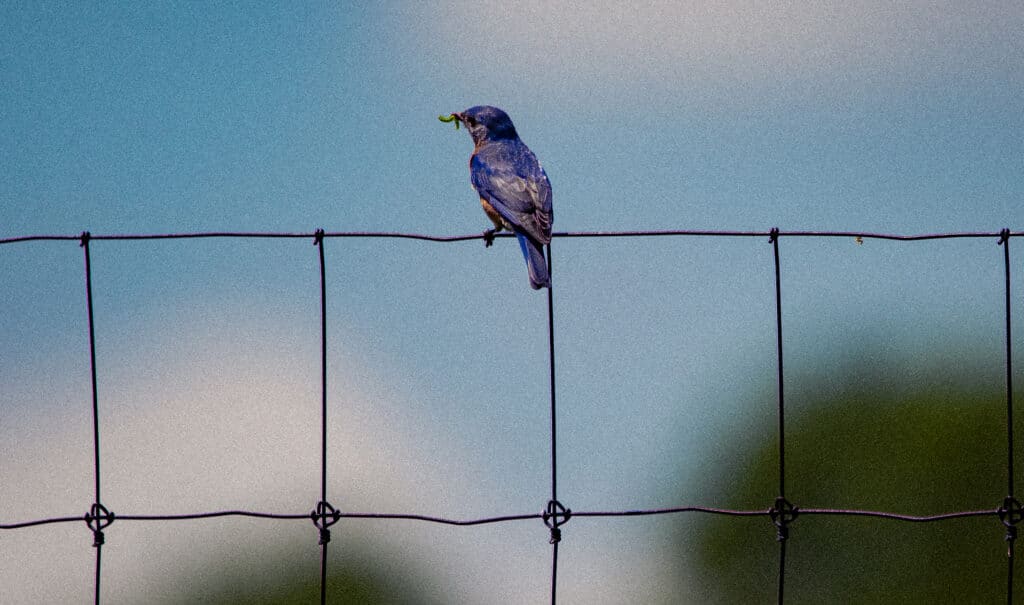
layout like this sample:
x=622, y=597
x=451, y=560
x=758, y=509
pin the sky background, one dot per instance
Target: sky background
x=180, y=117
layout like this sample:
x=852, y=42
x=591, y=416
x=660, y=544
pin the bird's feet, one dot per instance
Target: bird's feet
x=489, y=237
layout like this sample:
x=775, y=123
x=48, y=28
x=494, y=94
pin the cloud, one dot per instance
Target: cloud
x=214, y=420
x=199, y=424
x=667, y=45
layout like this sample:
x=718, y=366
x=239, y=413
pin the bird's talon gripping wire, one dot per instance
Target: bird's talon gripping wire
x=489, y=237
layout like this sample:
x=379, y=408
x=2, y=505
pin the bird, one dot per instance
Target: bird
x=514, y=190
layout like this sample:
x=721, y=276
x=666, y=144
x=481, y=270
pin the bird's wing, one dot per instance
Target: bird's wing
x=511, y=179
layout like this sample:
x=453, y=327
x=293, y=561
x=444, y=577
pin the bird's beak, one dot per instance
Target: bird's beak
x=458, y=116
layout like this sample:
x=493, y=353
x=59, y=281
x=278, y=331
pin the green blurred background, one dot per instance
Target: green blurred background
x=873, y=434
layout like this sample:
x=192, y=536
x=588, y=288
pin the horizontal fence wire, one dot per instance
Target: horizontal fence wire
x=524, y=517
x=781, y=513
x=481, y=236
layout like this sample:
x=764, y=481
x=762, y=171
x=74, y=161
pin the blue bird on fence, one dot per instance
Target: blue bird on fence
x=514, y=190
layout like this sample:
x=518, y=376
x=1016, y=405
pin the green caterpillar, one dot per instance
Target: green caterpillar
x=450, y=118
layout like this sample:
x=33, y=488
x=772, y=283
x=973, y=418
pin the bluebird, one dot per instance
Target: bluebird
x=514, y=190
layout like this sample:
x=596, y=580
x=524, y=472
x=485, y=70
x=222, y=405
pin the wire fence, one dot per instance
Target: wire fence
x=781, y=512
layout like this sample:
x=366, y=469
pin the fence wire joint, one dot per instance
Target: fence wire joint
x=98, y=518
x=782, y=514
x=554, y=516
x=323, y=517
x=1011, y=514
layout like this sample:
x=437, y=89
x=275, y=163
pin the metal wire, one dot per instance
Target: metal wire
x=779, y=518
x=480, y=236
x=322, y=506
x=1011, y=506
x=96, y=512
x=781, y=513
x=766, y=513
x=556, y=533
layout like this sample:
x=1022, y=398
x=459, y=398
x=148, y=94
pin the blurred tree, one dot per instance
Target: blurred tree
x=282, y=578
x=868, y=441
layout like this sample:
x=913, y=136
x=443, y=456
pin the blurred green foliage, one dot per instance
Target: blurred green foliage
x=279, y=579
x=873, y=440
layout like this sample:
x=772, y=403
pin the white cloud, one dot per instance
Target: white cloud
x=212, y=426
x=671, y=45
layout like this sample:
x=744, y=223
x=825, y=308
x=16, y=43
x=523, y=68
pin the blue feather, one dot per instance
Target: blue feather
x=536, y=264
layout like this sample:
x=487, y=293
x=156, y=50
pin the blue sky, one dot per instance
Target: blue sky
x=125, y=118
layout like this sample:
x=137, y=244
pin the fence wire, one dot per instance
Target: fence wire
x=781, y=512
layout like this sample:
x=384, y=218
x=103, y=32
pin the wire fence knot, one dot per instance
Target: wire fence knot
x=1004, y=236
x=1010, y=513
x=318, y=237
x=773, y=235
x=782, y=514
x=84, y=239
x=554, y=516
x=98, y=518
x=323, y=517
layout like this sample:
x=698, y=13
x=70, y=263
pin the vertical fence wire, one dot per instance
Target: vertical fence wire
x=319, y=242
x=778, y=337
x=555, y=532
x=1010, y=512
x=92, y=364
x=95, y=511
x=323, y=369
x=324, y=515
x=551, y=370
x=1005, y=241
x=781, y=505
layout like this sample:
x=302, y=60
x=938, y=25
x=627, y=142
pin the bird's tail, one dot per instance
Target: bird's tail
x=535, y=262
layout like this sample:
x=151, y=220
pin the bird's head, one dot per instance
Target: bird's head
x=486, y=123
